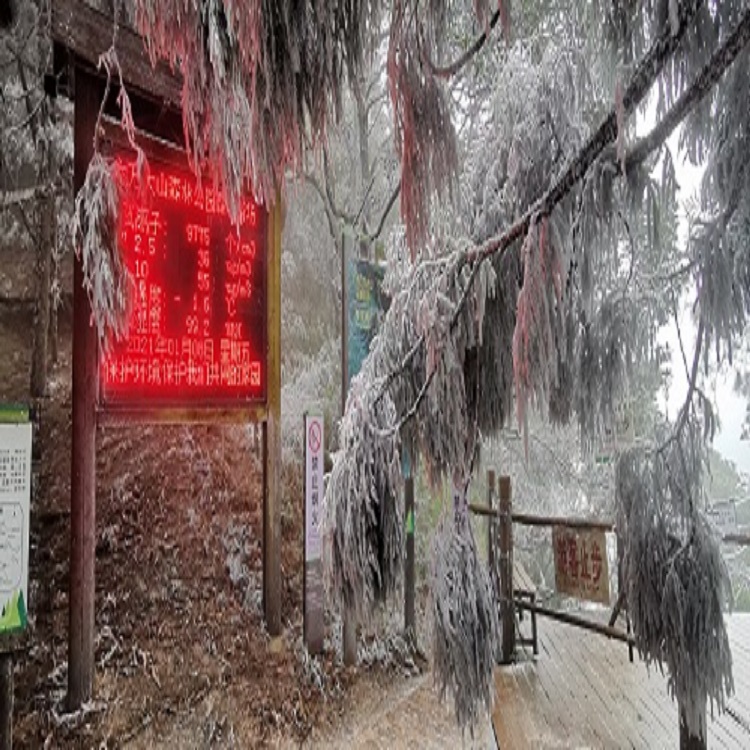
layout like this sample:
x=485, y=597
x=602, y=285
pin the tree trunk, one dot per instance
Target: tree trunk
x=364, y=163
x=54, y=298
x=46, y=223
x=689, y=741
x=54, y=350
x=43, y=280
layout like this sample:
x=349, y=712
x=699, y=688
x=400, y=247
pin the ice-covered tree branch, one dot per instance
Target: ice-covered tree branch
x=703, y=84
x=385, y=213
x=331, y=216
x=451, y=69
x=639, y=85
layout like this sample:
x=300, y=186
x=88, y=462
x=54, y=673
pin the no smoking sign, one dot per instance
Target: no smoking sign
x=314, y=437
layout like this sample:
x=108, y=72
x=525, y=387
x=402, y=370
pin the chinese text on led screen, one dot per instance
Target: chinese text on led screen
x=197, y=333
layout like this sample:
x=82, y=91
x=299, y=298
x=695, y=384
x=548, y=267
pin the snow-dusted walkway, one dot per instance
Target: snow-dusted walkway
x=408, y=715
x=582, y=691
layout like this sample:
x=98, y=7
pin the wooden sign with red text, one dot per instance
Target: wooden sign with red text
x=581, y=568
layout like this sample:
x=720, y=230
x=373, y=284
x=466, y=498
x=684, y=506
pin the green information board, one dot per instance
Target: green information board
x=366, y=304
x=15, y=498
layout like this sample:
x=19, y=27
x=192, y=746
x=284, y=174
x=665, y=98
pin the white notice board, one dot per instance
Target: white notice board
x=723, y=517
x=15, y=496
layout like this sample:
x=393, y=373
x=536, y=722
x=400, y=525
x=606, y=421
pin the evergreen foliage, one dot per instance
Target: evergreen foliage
x=676, y=582
x=105, y=277
x=465, y=619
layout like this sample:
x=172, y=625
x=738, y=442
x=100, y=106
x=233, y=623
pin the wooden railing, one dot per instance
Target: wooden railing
x=500, y=538
x=743, y=540
x=500, y=544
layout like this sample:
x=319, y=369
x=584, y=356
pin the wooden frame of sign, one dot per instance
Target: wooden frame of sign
x=81, y=34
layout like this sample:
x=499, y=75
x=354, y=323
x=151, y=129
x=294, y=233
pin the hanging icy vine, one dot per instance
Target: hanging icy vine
x=676, y=582
x=262, y=80
x=465, y=639
x=364, y=529
x=106, y=279
x=95, y=231
x=425, y=139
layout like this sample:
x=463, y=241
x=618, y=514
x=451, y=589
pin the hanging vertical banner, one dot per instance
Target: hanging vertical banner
x=366, y=304
x=15, y=496
x=581, y=566
x=313, y=579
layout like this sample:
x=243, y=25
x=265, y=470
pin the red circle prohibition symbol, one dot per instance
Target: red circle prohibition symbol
x=314, y=437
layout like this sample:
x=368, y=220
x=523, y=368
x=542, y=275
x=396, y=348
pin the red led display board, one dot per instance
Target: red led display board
x=197, y=334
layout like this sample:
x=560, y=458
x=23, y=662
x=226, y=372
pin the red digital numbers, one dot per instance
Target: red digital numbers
x=197, y=333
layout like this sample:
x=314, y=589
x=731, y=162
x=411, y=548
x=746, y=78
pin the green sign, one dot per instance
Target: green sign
x=410, y=522
x=366, y=304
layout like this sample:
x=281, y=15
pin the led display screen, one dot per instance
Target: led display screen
x=197, y=322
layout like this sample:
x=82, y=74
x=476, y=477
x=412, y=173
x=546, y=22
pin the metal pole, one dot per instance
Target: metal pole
x=578, y=622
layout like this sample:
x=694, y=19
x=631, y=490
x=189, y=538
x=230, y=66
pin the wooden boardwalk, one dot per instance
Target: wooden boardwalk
x=583, y=692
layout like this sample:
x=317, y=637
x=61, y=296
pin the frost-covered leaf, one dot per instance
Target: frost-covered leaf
x=105, y=277
x=465, y=636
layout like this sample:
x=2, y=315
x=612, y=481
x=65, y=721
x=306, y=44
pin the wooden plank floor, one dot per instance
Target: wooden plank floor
x=583, y=692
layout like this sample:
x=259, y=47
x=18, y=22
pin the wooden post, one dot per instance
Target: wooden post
x=349, y=627
x=47, y=219
x=83, y=468
x=272, y=434
x=410, y=622
x=491, y=524
x=507, y=613
x=6, y=700
x=689, y=741
x=621, y=594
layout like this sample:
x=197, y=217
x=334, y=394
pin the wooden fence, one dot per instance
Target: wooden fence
x=500, y=545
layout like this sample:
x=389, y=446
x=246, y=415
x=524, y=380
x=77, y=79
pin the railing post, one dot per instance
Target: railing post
x=621, y=593
x=410, y=620
x=491, y=524
x=689, y=741
x=507, y=613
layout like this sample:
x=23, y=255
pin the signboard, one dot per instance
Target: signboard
x=619, y=436
x=197, y=333
x=366, y=305
x=313, y=582
x=15, y=496
x=723, y=517
x=581, y=566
